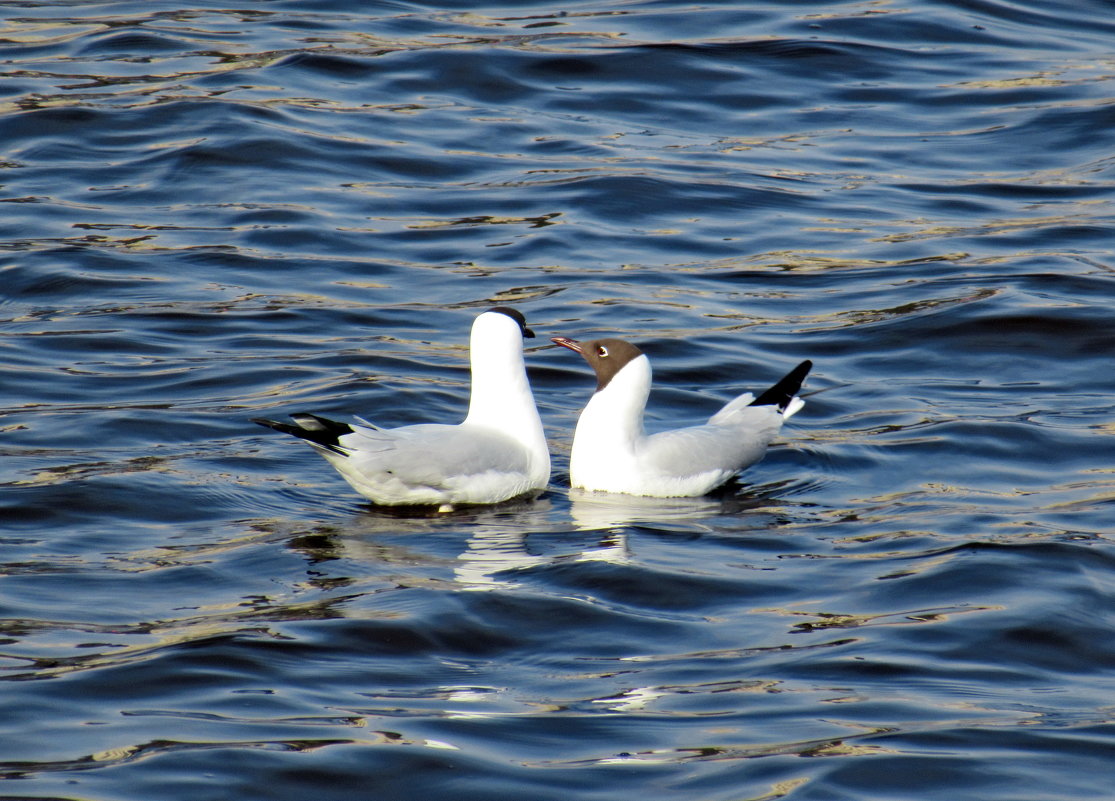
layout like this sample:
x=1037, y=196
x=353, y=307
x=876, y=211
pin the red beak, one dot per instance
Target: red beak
x=572, y=344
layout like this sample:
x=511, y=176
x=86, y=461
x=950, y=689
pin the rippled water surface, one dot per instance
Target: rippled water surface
x=214, y=213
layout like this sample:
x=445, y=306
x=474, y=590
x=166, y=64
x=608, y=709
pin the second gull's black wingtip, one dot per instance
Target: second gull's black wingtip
x=783, y=392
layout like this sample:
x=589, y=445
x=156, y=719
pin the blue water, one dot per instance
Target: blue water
x=211, y=214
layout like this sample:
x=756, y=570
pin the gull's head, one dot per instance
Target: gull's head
x=605, y=356
x=503, y=319
x=499, y=330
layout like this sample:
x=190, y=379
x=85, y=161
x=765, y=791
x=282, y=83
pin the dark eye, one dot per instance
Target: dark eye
x=601, y=351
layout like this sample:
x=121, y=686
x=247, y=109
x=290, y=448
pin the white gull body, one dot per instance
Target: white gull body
x=499, y=452
x=612, y=453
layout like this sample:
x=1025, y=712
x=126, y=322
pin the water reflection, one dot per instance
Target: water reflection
x=591, y=511
x=489, y=548
x=483, y=548
x=600, y=510
x=493, y=556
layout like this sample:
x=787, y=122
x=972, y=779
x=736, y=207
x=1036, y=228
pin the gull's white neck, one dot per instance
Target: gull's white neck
x=501, y=396
x=612, y=422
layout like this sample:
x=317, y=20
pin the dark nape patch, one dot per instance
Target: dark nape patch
x=515, y=315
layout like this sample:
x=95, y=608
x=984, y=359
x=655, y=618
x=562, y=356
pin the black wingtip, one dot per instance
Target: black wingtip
x=781, y=393
x=317, y=430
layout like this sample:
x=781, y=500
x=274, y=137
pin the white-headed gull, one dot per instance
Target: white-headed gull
x=499, y=452
x=611, y=453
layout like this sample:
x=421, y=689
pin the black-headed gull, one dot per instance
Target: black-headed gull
x=611, y=453
x=499, y=452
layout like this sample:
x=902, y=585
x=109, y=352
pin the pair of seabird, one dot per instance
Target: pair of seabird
x=499, y=452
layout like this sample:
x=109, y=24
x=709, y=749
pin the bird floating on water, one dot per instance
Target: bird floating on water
x=611, y=452
x=498, y=453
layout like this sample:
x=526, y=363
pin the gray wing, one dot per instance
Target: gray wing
x=728, y=447
x=433, y=454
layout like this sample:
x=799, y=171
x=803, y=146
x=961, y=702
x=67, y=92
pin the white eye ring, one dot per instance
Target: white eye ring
x=601, y=351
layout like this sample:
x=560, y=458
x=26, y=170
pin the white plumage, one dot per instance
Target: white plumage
x=499, y=452
x=612, y=453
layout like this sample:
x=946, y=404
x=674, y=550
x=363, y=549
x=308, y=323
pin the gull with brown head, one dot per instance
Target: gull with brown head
x=612, y=453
